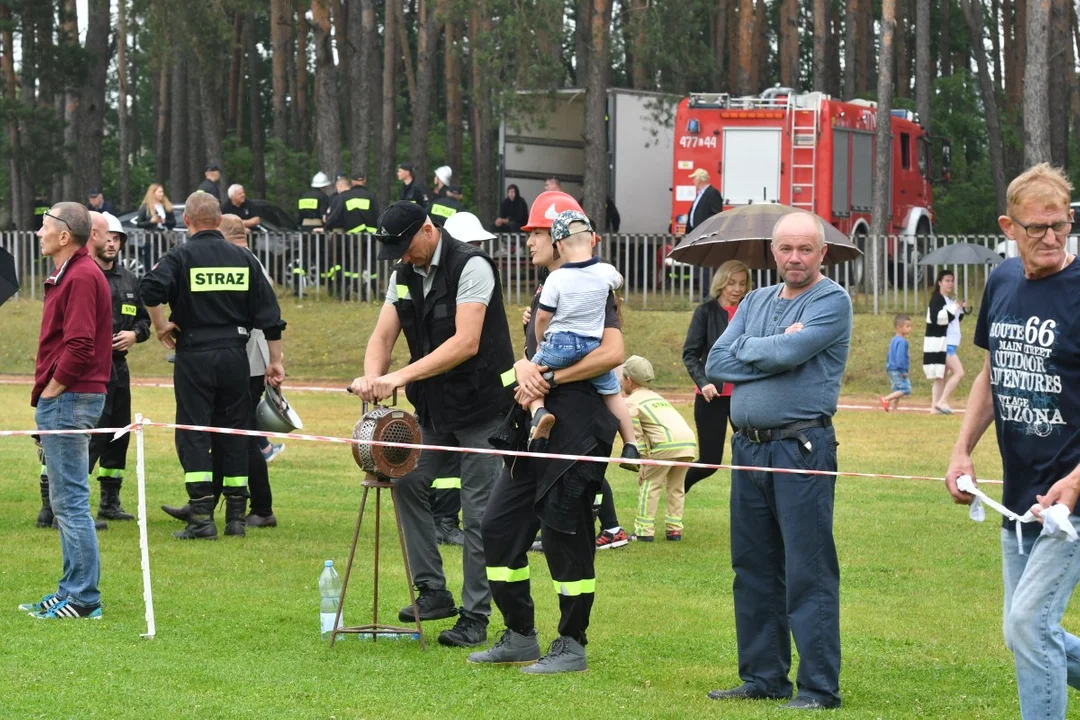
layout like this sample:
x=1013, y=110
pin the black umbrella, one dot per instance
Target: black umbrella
x=745, y=233
x=9, y=281
x=962, y=254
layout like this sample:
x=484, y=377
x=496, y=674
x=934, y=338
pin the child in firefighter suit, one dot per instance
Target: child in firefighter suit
x=662, y=434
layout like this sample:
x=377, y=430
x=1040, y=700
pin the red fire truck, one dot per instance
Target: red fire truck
x=805, y=150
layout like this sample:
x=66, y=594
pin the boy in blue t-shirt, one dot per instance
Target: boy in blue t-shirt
x=898, y=364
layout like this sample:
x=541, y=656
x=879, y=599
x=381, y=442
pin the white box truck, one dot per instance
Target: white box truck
x=545, y=138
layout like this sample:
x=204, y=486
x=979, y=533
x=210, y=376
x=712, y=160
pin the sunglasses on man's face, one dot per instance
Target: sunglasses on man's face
x=60, y=219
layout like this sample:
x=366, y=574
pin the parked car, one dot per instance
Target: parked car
x=1007, y=248
x=145, y=247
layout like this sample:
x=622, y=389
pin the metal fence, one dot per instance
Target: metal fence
x=344, y=267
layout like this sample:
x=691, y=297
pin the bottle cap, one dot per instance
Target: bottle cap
x=328, y=563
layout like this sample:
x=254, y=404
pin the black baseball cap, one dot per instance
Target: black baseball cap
x=93, y=192
x=397, y=226
x=212, y=168
x=407, y=166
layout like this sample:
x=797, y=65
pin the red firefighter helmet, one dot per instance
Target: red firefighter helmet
x=547, y=207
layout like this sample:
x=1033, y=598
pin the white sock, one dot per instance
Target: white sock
x=615, y=530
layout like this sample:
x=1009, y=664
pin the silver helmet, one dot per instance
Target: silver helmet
x=274, y=414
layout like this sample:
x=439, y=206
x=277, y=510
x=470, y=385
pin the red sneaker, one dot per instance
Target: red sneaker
x=884, y=403
x=607, y=540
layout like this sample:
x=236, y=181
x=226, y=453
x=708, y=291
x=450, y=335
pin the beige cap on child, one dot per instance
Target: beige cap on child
x=639, y=370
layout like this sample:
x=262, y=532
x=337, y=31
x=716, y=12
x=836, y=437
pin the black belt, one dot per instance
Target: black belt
x=794, y=430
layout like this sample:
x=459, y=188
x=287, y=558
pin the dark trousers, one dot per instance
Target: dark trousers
x=608, y=517
x=509, y=528
x=211, y=388
x=111, y=454
x=262, y=499
x=446, y=492
x=711, y=419
x=787, y=578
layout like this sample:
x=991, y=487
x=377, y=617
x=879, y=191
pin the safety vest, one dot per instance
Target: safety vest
x=442, y=208
x=477, y=389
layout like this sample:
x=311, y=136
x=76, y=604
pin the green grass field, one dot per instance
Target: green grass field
x=238, y=634
x=325, y=341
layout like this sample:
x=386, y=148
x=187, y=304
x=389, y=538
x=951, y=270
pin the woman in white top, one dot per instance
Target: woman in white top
x=944, y=311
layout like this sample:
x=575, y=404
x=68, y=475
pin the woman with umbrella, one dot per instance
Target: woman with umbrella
x=940, y=361
x=711, y=404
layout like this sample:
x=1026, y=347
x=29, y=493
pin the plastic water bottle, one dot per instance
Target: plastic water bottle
x=330, y=591
x=388, y=636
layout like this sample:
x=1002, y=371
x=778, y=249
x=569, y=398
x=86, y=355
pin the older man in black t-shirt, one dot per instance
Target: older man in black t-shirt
x=1029, y=387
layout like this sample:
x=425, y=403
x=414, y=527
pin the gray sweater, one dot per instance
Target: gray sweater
x=781, y=379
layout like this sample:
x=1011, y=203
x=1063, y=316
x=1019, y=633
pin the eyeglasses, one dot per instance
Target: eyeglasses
x=1037, y=231
x=60, y=219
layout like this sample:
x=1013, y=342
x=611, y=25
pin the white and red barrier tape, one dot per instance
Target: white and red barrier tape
x=138, y=425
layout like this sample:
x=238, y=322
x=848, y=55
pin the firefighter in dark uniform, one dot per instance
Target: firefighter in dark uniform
x=40, y=207
x=354, y=212
x=131, y=324
x=553, y=496
x=313, y=204
x=413, y=190
x=445, y=298
x=217, y=293
x=445, y=205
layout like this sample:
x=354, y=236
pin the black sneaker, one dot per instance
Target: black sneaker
x=746, y=691
x=432, y=605
x=467, y=632
x=447, y=532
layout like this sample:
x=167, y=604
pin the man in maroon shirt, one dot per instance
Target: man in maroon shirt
x=73, y=365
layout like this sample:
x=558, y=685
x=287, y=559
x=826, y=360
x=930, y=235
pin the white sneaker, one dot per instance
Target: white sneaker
x=275, y=450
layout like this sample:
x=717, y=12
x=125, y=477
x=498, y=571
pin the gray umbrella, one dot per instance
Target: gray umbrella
x=962, y=254
x=745, y=233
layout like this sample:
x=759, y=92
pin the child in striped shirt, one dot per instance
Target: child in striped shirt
x=662, y=434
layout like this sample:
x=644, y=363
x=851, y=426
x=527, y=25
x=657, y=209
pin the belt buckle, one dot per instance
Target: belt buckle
x=752, y=434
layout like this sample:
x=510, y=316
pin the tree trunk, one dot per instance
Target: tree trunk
x=136, y=54
x=835, y=73
x=279, y=41
x=426, y=45
x=179, y=175
x=1021, y=11
x=196, y=160
x=789, y=43
x=388, y=153
x=923, y=77
x=327, y=124
x=406, y=54
x=455, y=120
x=236, y=63
x=212, y=123
x=735, y=29
x=880, y=220
x=91, y=117
x=20, y=206
x=821, y=44
x=69, y=39
x=720, y=40
x=760, y=70
x=851, y=47
x=362, y=37
x=258, y=133
x=995, y=41
x=302, y=135
x=162, y=132
x=944, y=45
x=596, y=150
x=341, y=18
x=867, y=72
x=582, y=41
x=903, y=79
x=480, y=106
x=122, y=103
x=973, y=15
x=744, y=73
x=1060, y=82
x=1036, y=85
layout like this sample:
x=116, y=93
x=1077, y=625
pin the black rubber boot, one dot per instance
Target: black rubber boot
x=45, y=517
x=235, y=514
x=109, y=507
x=200, y=522
x=181, y=513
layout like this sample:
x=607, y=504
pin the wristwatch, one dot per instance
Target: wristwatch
x=549, y=378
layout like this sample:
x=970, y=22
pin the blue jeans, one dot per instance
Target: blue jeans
x=1037, y=589
x=787, y=577
x=563, y=349
x=67, y=461
x=898, y=382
